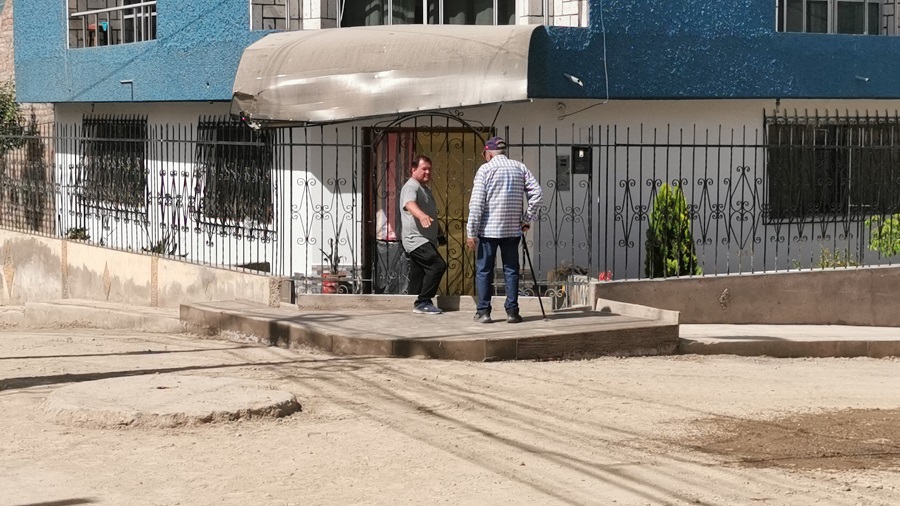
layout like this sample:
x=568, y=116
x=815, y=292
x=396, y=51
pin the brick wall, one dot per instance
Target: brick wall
x=6, y=49
x=21, y=206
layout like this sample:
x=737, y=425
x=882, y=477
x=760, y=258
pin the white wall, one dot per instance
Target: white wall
x=581, y=224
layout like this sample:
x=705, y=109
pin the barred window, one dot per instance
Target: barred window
x=871, y=17
x=234, y=172
x=113, y=161
x=835, y=166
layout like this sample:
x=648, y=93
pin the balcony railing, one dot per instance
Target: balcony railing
x=130, y=21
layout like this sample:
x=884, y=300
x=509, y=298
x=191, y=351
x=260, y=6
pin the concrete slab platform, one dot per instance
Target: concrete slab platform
x=453, y=335
x=165, y=400
x=790, y=341
x=99, y=315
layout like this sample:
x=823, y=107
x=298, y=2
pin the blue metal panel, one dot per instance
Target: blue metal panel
x=198, y=46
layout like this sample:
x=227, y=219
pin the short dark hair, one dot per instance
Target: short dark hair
x=419, y=159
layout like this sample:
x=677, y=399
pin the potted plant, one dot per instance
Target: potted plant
x=331, y=279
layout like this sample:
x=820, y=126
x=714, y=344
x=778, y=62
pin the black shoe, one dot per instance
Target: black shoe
x=483, y=317
x=512, y=316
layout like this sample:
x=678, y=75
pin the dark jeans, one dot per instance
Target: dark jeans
x=485, y=259
x=426, y=268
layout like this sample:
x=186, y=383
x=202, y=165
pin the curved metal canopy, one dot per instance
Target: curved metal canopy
x=347, y=73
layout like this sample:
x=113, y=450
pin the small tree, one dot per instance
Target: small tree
x=12, y=129
x=884, y=234
x=670, y=245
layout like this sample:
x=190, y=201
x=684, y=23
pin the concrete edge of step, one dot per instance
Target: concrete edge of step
x=827, y=348
x=90, y=314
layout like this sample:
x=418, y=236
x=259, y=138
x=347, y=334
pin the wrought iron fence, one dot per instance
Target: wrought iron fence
x=804, y=191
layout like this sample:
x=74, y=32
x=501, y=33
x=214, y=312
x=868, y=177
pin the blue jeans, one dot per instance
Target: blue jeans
x=485, y=259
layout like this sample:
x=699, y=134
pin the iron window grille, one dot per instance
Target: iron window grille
x=431, y=12
x=111, y=22
x=113, y=162
x=233, y=172
x=863, y=17
x=832, y=166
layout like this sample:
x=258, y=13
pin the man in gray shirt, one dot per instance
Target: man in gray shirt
x=420, y=236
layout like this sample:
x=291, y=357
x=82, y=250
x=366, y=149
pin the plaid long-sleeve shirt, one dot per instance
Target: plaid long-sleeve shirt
x=495, y=208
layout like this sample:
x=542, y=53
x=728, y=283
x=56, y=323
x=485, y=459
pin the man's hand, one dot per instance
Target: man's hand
x=425, y=220
x=470, y=243
x=525, y=227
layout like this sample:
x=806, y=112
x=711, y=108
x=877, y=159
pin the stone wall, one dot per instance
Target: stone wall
x=36, y=268
x=842, y=296
x=7, y=72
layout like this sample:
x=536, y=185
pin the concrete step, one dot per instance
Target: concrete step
x=790, y=341
x=359, y=327
x=99, y=315
x=12, y=316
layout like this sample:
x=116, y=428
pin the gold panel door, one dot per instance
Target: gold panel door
x=455, y=156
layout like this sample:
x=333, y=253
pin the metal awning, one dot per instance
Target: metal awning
x=339, y=74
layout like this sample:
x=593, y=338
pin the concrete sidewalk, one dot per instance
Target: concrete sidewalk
x=620, y=330
x=789, y=341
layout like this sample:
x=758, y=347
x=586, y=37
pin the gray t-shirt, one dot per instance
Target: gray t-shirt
x=413, y=235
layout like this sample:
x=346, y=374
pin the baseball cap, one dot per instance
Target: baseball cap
x=495, y=144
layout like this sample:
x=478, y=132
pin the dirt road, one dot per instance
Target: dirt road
x=380, y=431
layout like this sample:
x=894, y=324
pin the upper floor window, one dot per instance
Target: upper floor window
x=864, y=17
x=317, y=14
x=111, y=22
x=432, y=12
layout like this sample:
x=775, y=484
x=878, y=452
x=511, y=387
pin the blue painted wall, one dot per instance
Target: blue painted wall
x=198, y=47
x=701, y=49
x=655, y=50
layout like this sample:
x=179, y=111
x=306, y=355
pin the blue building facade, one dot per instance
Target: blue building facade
x=196, y=49
x=687, y=49
x=701, y=50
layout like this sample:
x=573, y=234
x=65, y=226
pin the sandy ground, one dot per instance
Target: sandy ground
x=383, y=431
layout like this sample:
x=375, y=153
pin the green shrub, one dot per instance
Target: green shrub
x=670, y=245
x=884, y=234
x=838, y=258
x=77, y=234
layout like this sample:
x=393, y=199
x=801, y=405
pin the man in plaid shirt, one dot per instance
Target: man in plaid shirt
x=497, y=221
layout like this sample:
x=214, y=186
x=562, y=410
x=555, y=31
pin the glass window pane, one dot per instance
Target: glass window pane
x=364, y=13
x=794, y=16
x=405, y=12
x=506, y=12
x=455, y=12
x=433, y=12
x=851, y=17
x=817, y=17
x=874, y=18
x=484, y=12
